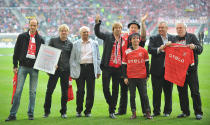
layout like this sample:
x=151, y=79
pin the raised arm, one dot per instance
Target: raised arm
x=97, y=31
x=143, y=27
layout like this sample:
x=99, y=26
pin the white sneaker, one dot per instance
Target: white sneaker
x=64, y=116
x=88, y=115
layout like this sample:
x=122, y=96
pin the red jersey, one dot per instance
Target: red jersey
x=178, y=57
x=125, y=43
x=135, y=60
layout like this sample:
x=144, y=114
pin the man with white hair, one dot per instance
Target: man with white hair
x=85, y=67
x=156, y=46
x=190, y=39
x=62, y=71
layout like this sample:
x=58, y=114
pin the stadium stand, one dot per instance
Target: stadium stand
x=76, y=13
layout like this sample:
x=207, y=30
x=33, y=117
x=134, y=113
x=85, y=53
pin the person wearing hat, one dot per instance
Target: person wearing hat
x=133, y=27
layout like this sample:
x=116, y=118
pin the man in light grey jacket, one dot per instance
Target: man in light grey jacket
x=85, y=67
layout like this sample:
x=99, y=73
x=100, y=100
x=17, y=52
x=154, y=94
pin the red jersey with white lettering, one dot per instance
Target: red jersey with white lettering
x=135, y=60
x=125, y=43
x=178, y=58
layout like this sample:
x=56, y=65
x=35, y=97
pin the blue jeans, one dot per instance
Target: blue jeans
x=22, y=73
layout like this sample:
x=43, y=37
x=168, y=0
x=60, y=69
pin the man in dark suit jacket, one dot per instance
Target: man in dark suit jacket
x=192, y=75
x=110, y=63
x=156, y=45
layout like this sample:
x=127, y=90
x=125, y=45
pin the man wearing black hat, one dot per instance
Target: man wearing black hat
x=133, y=27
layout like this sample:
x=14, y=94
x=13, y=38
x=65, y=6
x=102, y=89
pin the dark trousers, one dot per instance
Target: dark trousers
x=159, y=84
x=86, y=75
x=123, y=97
x=141, y=85
x=64, y=82
x=192, y=81
x=107, y=74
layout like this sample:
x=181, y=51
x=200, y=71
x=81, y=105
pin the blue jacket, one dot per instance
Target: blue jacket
x=76, y=58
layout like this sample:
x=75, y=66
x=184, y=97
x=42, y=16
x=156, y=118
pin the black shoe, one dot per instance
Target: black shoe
x=30, y=117
x=183, y=115
x=155, y=114
x=198, y=116
x=78, y=114
x=120, y=113
x=10, y=118
x=111, y=115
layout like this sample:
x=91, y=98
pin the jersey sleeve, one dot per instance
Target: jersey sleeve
x=192, y=62
x=146, y=56
x=124, y=57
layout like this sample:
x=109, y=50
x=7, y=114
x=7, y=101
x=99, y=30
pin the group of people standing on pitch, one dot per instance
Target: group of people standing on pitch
x=124, y=60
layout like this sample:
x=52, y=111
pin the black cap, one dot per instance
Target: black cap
x=133, y=22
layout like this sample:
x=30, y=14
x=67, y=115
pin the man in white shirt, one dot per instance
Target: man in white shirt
x=85, y=67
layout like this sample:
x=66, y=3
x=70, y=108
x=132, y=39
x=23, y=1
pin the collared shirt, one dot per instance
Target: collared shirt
x=86, y=53
x=165, y=40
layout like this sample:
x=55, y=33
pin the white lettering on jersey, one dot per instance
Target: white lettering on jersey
x=176, y=58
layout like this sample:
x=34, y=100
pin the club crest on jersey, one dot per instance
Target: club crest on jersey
x=140, y=54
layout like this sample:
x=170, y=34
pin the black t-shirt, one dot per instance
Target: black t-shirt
x=181, y=40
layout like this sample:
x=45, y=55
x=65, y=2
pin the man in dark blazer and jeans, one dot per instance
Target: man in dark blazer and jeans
x=25, y=53
x=156, y=45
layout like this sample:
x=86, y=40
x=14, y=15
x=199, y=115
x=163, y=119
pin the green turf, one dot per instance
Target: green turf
x=100, y=108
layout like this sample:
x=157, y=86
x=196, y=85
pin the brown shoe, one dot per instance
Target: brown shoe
x=148, y=115
x=133, y=115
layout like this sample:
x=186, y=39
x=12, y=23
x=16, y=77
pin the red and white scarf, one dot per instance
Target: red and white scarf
x=31, y=47
x=115, y=60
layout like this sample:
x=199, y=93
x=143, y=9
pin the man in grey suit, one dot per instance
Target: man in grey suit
x=156, y=49
x=85, y=67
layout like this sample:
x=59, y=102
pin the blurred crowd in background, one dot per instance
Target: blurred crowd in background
x=76, y=13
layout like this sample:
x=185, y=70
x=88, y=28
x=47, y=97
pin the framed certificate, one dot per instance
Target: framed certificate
x=47, y=59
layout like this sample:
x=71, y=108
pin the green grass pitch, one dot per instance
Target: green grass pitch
x=100, y=108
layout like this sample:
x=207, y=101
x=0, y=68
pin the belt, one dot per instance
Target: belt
x=86, y=64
